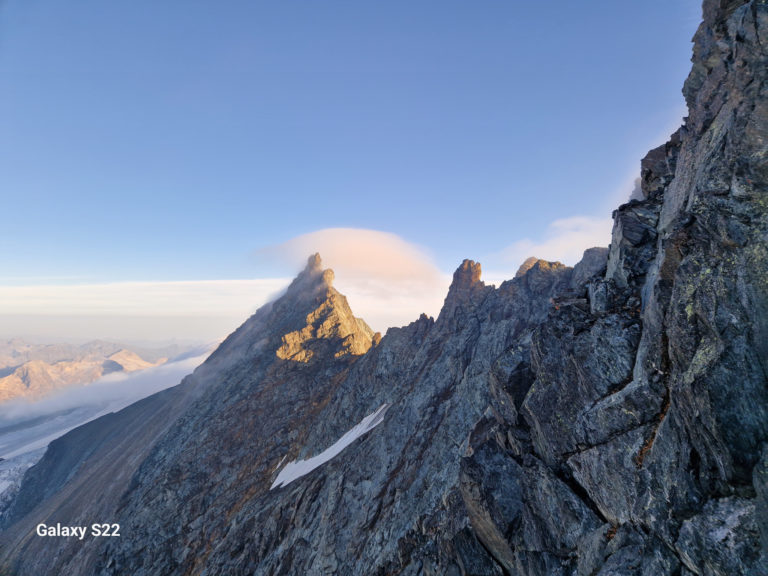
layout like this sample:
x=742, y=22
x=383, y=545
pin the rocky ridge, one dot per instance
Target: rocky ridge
x=609, y=419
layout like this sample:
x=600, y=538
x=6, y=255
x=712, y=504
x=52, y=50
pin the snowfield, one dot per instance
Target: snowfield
x=299, y=468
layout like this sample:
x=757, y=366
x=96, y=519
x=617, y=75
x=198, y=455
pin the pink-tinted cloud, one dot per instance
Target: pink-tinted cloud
x=387, y=280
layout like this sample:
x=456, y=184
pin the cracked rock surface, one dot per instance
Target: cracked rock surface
x=607, y=419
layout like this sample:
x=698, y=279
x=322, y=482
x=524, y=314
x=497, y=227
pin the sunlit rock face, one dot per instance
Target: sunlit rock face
x=606, y=419
x=330, y=323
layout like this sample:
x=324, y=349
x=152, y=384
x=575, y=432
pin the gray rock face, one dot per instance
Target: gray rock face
x=721, y=540
x=592, y=264
x=609, y=419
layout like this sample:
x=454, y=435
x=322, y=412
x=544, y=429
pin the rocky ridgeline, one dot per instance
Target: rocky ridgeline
x=607, y=419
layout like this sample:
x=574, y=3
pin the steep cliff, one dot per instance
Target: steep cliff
x=608, y=419
x=651, y=402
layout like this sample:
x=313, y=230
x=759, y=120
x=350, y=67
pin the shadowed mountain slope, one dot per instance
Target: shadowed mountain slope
x=609, y=419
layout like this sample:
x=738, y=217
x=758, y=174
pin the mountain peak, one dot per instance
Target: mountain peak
x=467, y=275
x=525, y=266
x=314, y=262
x=466, y=289
x=315, y=267
x=326, y=321
x=313, y=278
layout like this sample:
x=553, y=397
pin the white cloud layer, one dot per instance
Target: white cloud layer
x=133, y=311
x=387, y=280
x=33, y=424
x=189, y=298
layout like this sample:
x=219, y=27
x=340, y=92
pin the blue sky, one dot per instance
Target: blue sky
x=181, y=141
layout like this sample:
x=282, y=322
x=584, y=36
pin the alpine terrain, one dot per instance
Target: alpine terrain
x=605, y=419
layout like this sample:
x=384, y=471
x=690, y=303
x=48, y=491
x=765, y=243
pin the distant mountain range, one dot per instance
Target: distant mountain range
x=33, y=371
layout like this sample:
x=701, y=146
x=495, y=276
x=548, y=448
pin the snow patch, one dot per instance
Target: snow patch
x=299, y=468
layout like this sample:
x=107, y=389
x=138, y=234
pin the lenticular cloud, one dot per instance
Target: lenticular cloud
x=388, y=280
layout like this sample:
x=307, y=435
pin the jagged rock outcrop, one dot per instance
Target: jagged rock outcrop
x=651, y=403
x=609, y=419
x=205, y=480
x=331, y=321
x=434, y=376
